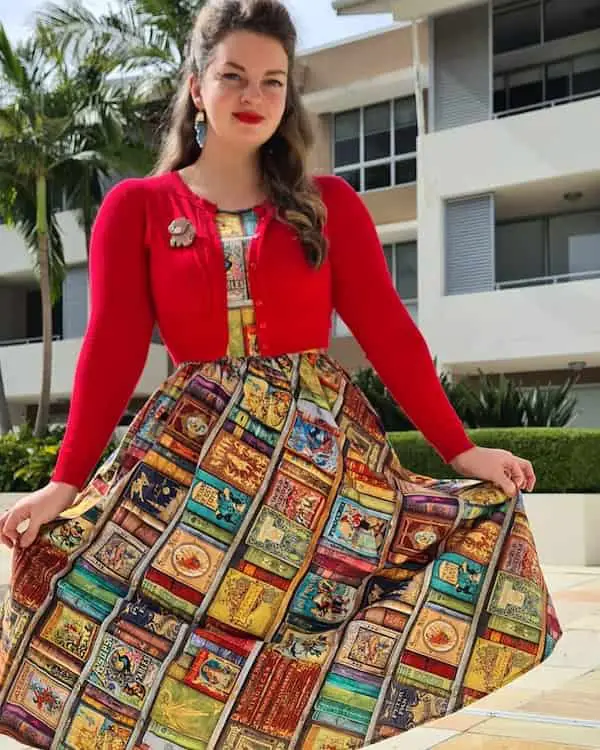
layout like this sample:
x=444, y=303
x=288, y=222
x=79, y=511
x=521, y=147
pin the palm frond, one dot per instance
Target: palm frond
x=130, y=40
x=75, y=27
x=12, y=70
x=174, y=17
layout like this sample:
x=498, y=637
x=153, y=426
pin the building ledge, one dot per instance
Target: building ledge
x=392, y=85
x=354, y=7
x=403, y=10
x=398, y=231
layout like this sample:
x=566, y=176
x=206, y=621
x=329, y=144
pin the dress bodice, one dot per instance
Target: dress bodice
x=236, y=230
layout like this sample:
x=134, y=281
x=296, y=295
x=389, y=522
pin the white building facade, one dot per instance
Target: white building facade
x=509, y=187
x=472, y=134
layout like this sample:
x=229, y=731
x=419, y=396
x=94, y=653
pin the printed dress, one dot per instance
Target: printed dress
x=253, y=569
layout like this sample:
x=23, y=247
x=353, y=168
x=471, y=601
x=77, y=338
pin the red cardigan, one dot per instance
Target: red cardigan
x=137, y=279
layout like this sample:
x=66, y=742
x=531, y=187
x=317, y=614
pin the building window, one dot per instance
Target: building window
x=538, y=86
x=574, y=244
x=33, y=325
x=565, y=18
x=517, y=24
x=402, y=263
x=376, y=146
x=520, y=251
x=558, y=81
x=586, y=74
x=546, y=250
x=523, y=23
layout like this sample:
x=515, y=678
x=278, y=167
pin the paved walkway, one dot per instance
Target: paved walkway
x=554, y=707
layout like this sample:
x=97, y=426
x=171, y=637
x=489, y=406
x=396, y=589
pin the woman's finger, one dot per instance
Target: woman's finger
x=529, y=474
x=506, y=484
x=30, y=535
x=515, y=472
x=15, y=517
x=3, y=538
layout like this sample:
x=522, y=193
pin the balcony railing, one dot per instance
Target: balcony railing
x=547, y=84
x=560, y=278
x=547, y=104
x=30, y=340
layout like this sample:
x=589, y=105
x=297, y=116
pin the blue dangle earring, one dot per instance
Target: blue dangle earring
x=200, y=127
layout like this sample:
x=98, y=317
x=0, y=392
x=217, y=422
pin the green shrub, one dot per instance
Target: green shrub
x=392, y=417
x=499, y=401
x=26, y=462
x=564, y=459
x=489, y=401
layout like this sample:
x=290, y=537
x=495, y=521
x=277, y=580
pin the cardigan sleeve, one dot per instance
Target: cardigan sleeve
x=365, y=297
x=117, y=338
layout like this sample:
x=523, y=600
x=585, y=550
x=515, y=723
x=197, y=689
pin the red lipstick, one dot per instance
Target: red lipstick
x=250, y=118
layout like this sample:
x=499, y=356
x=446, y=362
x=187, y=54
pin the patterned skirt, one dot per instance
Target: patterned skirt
x=253, y=568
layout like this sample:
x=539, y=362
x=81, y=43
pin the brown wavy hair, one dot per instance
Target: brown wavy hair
x=283, y=157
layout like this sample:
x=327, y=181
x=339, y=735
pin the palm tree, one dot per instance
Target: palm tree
x=5, y=420
x=64, y=130
x=108, y=138
x=145, y=39
x=141, y=36
x=31, y=134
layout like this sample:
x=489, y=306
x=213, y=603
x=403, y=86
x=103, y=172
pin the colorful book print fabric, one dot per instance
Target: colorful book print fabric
x=253, y=568
x=237, y=230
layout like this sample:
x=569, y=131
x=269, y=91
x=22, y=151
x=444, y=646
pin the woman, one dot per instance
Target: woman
x=254, y=518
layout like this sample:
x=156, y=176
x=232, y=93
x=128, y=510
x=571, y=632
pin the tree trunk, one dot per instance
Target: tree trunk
x=87, y=229
x=5, y=420
x=41, y=422
x=87, y=212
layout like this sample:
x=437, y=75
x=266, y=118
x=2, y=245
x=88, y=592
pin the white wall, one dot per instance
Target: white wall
x=403, y=10
x=14, y=256
x=545, y=322
x=361, y=93
x=537, y=322
x=540, y=145
x=22, y=367
x=406, y=10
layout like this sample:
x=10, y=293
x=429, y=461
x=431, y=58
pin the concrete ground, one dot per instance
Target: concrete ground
x=554, y=707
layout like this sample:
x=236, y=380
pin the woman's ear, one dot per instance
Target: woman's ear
x=194, y=85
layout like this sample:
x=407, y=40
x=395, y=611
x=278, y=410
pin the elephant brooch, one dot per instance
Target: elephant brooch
x=182, y=232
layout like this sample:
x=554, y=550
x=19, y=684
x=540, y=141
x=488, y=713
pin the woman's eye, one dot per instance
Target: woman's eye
x=274, y=82
x=231, y=76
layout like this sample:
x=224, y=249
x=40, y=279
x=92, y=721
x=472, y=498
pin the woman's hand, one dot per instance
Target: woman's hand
x=509, y=472
x=38, y=508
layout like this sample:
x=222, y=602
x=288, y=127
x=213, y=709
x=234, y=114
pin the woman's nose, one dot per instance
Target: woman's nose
x=251, y=92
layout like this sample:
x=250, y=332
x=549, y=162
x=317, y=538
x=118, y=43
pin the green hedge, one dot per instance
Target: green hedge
x=26, y=463
x=564, y=459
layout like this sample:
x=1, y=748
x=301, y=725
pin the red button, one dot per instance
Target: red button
x=259, y=303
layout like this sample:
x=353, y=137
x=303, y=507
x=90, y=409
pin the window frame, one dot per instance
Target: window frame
x=513, y=6
x=396, y=248
x=566, y=60
x=550, y=276
x=362, y=165
x=510, y=6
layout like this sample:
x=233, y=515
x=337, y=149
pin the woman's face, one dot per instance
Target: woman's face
x=243, y=90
